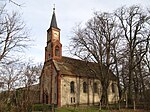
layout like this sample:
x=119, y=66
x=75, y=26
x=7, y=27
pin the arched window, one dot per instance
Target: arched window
x=57, y=53
x=45, y=97
x=95, y=87
x=72, y=87
x=84, y=87
x=113, y=87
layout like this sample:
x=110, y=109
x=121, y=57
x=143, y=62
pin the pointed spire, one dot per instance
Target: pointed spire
x=53, y=20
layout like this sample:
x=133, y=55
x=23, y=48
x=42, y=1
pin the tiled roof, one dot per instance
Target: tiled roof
x=76, y=67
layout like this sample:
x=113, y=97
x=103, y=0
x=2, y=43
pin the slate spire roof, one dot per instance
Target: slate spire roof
x=53, y=20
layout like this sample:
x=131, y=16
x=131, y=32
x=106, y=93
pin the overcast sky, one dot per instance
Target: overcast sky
x=37, y=16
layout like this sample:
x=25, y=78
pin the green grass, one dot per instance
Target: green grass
x=92, y=109
x=83, y=109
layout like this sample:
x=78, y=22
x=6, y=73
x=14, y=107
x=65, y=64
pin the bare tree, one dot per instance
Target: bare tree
x=30, y=80
x=19, y=85
x=120, y=42
x=135, y=25
x=12, y=2
x=94, y=43
x=13, y=35
x=10, y=74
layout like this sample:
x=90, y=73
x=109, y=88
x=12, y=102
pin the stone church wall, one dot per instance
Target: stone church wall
x=81, y=98
x=54, y=87
x=45, y=80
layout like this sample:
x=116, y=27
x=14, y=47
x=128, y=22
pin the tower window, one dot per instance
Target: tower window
x=49, y=56
x=85, y=87
x=57, y=53
x=72, y=87
x=95, y=87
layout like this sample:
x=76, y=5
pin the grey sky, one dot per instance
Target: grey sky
x=37, y=15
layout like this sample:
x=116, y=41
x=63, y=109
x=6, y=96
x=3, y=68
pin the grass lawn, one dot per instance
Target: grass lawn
x=80, y=109
x=89, y=109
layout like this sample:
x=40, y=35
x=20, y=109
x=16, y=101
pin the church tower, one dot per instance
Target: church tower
x=50, y=81
x=53, y=50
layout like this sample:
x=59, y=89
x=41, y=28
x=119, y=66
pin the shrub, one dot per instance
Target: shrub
x=41, y=107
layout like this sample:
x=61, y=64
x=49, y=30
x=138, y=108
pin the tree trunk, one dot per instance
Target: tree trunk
x=104, y=94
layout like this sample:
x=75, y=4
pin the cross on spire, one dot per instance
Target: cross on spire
x=54, y=8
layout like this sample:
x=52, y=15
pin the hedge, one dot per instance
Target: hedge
x=42, y=107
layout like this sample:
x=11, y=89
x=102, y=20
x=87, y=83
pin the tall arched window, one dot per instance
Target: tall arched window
x=45, y=97
x=84, y=87
x=95, y=87
x=57, y=53
x=113, y=87
x=72, y=87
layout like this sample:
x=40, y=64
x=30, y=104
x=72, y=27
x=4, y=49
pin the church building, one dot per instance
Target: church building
x=68, y=81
